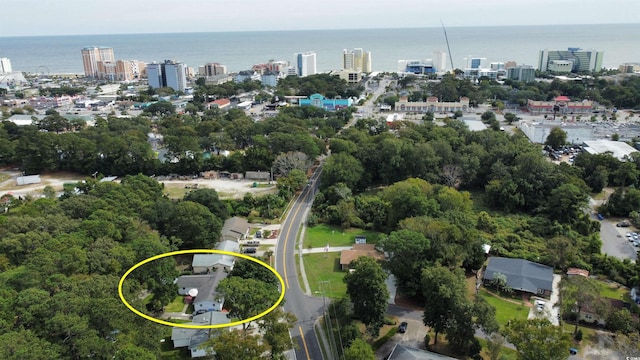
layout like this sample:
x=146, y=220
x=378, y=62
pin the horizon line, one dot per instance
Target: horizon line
x=302, y=30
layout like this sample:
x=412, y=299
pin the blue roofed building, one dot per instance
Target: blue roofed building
x=322, y=102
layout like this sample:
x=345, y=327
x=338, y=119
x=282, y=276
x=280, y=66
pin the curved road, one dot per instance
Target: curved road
x=306, y=308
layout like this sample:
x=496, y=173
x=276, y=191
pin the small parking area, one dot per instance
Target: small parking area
x=616, y=242
x=413, y=337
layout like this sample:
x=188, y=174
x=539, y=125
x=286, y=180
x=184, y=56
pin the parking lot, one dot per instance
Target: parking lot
x=615, y=241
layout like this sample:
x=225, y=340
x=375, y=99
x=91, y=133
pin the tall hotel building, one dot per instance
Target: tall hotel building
x=5, y=66
x=167, y=74
x=92, y=55
x=571, y=60
x=305, y=63
x=212, y=69
x=357, y=60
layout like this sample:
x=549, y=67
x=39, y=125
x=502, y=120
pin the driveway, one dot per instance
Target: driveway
x=550, y=308
x=413, y=337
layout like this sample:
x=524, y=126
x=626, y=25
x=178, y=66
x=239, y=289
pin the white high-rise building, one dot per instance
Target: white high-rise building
x=440, y=61
x=5, y=66
x=476, y=63
x=305, y=63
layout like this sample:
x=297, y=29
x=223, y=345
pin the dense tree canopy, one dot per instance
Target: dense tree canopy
x=368, y=292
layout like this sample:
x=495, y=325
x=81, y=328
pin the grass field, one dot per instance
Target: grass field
x=505, y=310
x=175, y=192
x=505, y=354
x=176, y=305
x=325, y=267
x=612, y=291
x=321, y=235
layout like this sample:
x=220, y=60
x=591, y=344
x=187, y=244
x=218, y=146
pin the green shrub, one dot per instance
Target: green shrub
x=389, y=321
x=578, y=335
x=378, y=343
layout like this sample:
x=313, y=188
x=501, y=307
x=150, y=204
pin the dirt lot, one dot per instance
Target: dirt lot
x=174, y=188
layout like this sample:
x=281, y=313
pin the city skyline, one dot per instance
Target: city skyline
x=94, y=18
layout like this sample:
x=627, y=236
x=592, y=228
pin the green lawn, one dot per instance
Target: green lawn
x=325, y=267
x=321, y=235
x=612, y=291
x=176, y=305
x=505, y=310
x=505, y=354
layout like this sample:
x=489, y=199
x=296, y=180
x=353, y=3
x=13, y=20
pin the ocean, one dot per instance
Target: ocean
x=240, y=50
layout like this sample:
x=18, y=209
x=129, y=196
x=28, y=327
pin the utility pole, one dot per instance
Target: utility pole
x=327, y=320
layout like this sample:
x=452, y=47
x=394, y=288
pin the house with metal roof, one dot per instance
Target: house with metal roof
x=521, y=275
x=205, y=263
x=193, y=338
x=402, y=352
x=235, y=228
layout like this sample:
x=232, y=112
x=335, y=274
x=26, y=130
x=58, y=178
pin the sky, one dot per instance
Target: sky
x=77, y=17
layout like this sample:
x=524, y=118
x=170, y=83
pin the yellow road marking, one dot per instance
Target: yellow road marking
x=304, y=343
x=286, y=239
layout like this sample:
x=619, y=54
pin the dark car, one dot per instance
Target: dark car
x=623, y=224
x=258, y=234
x=249, y=250
x=403, y=327
x=573, y=351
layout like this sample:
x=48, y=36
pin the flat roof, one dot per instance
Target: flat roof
x=618, y=149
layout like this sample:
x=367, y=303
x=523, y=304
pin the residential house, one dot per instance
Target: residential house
x=202, y=288
x=595, y=317
x=521, y=275
x=193, y=338
x=246, y=75
x=402, y=352
x=358, y=250
x=206, y=263
x=235, y=228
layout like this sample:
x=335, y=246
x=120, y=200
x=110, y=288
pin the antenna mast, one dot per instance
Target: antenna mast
x=448, y=48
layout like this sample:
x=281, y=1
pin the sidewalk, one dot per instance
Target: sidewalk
x=325, y=249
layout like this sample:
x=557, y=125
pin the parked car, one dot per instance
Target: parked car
x=249, y=250
x=573, y=351
x=258, y=234
x=623, y=224
x=600, y=217
x=403, y=327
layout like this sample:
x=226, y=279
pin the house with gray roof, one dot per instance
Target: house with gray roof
x=402, y=352
x=522, y=275
x=205, y=263
x=193, y=338
x=204, y=287
x=235, y=229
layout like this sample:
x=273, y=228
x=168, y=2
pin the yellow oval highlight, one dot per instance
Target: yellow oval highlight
x=200, y=251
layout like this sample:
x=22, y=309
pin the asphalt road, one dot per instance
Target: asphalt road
x=614, y=241
x=307, y=309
